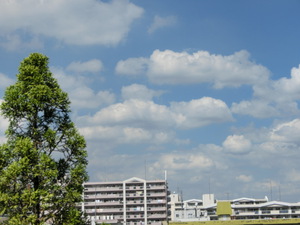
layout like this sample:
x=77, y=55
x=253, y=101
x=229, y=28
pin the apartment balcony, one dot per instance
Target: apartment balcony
x=264, y=212
x=135, y=209
x=160, y=194
x=246, y=213
x=156, y=187
x=282, y=212
x=135, y=217
x=104, y=196
x=103, y=189
x=295, y=211
x=157, y=216
x=157, y=201
x=135, y=202
x=134, y=195
x=115, y=219
x=134, y=188
x=105, y=211
x=157, y=209
x=112, y=203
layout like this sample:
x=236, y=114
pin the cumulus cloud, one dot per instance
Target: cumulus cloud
x=115, y=135
x=273, y=98
x=132, y=66
x=161, y=22
x=138, y=91
x=286, y=132
x=181, y=161
x=237, y=144
x=76, y=22
x=81, y=95
x=91, y=66
x=138, y=120
x=255, y=108
x=147, y=114
x=169, y=67
x=201, y=112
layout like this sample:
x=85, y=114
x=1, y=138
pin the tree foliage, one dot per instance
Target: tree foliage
x=43, y=163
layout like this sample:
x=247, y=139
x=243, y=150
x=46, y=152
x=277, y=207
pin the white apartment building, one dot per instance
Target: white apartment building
x=206, y=209
x=132, y=202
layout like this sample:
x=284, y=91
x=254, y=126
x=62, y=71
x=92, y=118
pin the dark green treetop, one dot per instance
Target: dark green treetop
x=43, y=163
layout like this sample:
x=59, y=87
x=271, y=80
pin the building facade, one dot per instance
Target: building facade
x=132, y=202
x=206, y=209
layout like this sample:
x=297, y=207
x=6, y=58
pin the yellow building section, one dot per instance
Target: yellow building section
x=224, y=208
x=242, y=222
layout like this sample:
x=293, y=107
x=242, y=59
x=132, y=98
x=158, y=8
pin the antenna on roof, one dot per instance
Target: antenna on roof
x=279, y=192
x=209, y=187
x=271, y=190
x=145, y=165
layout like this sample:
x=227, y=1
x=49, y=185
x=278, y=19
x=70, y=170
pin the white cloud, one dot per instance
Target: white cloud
x=134, y=113
x=92, y=66
x=200, y=112
x=161, y=22
x=5, y=81
x=119, y=135
x=286, y=132
x=183, y=161
x=288, y=88
x=137, y=121
x=273, y=98
x=132, y=66
x=237, y=144
x=77, y=22
x=147, y=114
x=255, y=108
x=244, y=178
x=81, y=95
x=14, y=42
x=138, y=91
x=169, y=67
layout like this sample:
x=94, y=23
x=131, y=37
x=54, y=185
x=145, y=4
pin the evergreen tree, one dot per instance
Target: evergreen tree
x=43, y=163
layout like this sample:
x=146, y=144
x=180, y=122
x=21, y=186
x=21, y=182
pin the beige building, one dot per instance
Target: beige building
x=134, y=201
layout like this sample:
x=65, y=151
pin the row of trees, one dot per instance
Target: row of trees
x=43, y=163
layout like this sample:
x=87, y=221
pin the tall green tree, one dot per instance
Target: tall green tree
x=43, y=163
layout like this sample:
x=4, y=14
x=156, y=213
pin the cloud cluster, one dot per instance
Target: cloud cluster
x=237, y=144
x=169, y=67
x=273, y=98
x=144, y=119
x=76, y=22
x=147, y=114
x=74, y=81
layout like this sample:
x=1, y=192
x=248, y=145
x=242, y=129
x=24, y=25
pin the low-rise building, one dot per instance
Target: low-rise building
x=206, y=209
x=134, y=201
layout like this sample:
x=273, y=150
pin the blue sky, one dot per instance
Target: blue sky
x=206, y=90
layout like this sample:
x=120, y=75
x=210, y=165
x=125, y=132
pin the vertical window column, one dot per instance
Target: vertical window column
x=145, y=203
x=124, y=203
